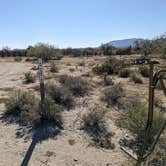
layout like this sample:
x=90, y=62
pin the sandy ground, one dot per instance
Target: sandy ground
x=70, y=147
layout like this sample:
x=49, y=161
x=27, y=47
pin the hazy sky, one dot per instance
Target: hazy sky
x=79, y=23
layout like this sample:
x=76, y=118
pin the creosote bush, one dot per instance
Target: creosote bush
x=113, y=94
x=27, y=108
x=77, y=85
x=136, y=78
x=61, y=95
x=111, y=66
x=93, y=123
x=54, y=68
x=29, y=78
x=125, y=73
x=144, y=71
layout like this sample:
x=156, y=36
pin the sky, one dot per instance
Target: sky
x=79, y=23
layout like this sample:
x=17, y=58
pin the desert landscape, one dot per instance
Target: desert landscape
x=82, y=83
x=70, y=145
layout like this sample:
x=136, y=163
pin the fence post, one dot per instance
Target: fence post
x=150, y=114
x=41, y=79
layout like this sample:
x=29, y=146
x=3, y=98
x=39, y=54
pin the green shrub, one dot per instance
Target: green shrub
x=77, y=85
x=60, y=95
x=112, y=66
x=94, y=125
x=51, y=111
x=134, y=119
x=144, y=71
x=44, y=51
x=124, y=73
x=28, y=108
x=29, y=78
x=24, y=105
x=136, y=78
x=54, y=68
x=113, y=94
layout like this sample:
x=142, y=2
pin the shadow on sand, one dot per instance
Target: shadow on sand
x=38, y=133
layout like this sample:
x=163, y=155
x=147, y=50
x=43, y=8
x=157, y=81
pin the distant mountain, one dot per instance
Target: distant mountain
x=124, y=43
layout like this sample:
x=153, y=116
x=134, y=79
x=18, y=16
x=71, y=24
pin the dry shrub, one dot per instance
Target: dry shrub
x=93, y=123
x=136, y=78
x=23, y=105
x=18, y=59
x=144, y=71
x=108, y=80
x=125, y=73
x=54, y=68
x=113, y=94
x=60, y=95
x=77, y=85
x=29, y=78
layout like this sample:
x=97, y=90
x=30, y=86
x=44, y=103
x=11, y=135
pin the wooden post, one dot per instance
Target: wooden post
x=41, y=79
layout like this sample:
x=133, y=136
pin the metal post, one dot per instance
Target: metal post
x=42, y=87
x=150, y=115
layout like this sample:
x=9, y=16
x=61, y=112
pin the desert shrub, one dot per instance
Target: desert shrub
x=18, y=59
x=94, y=125
x=28, y=108
x=51, y=111
x=24, y=105
x=29, y=78
x=71, y=70
x=108, y=80
x=28, y=59
x=113, y=94
x=77, y=85
x=111, y=66
x=144, y=71
x=124, y=73
x=54, y=68
x=82, y=63
x=60, y=95
x=134, y=119
x=136, y=78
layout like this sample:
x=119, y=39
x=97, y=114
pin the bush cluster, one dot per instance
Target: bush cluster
x=28, y=108
x=112, y=66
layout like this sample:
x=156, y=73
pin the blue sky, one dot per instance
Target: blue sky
x=79, y=23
